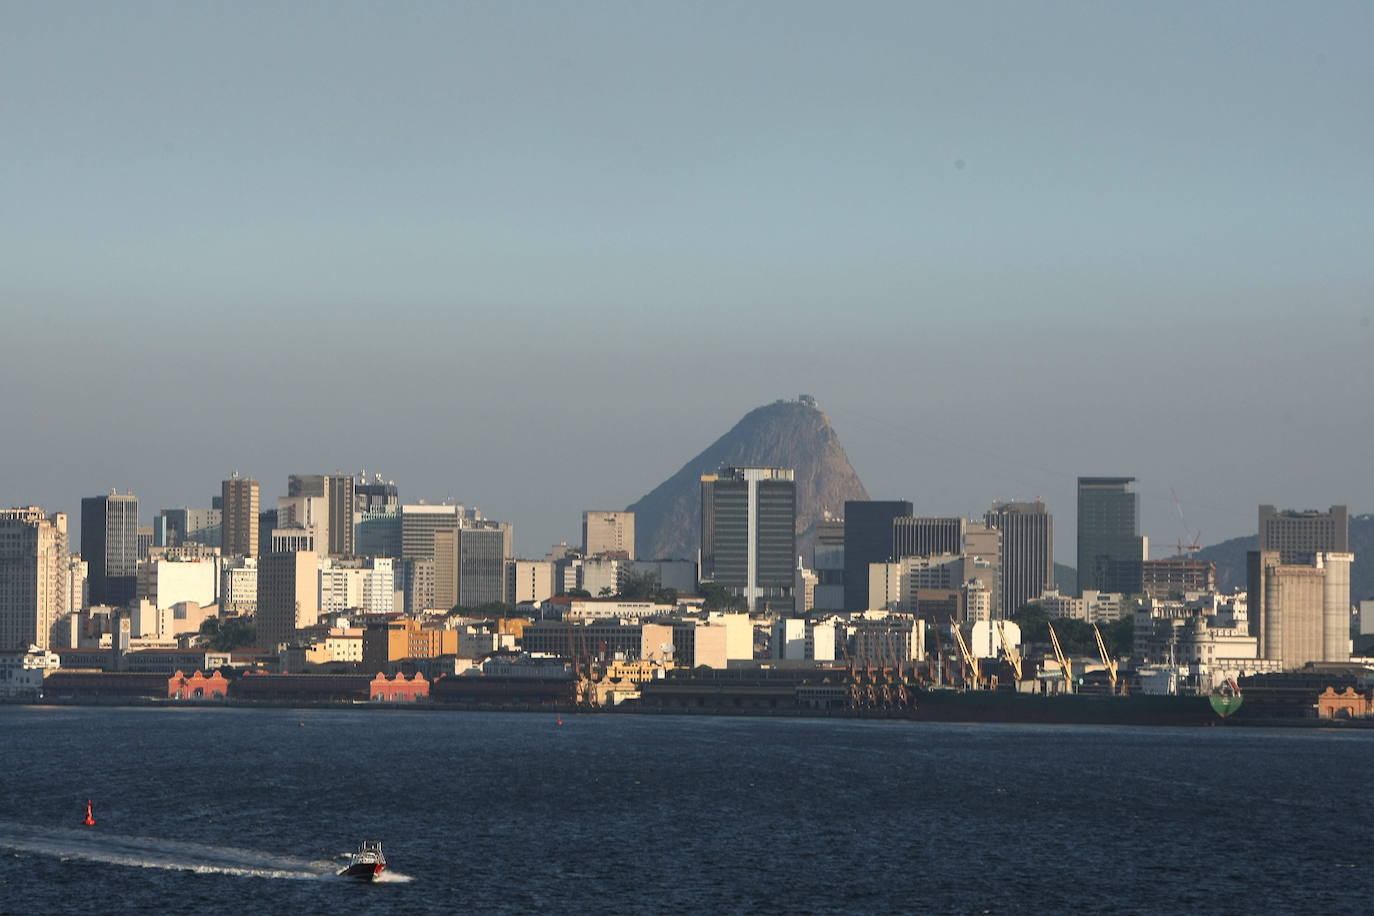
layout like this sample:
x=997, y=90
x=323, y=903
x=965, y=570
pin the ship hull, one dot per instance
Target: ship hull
x=1072, y=709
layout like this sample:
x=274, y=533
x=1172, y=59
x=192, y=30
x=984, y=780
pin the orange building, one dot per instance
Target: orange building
x=394, y=640
x=1346, y=703
x=212, y=686
x=512, y=626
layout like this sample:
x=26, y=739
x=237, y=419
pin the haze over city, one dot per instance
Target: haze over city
x=536, y=257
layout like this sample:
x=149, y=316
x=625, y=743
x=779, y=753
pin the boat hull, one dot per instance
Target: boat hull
x=369, y=871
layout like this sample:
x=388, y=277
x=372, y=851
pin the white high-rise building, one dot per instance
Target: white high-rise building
x=366, y=585
x=238, y=592
x=34, y=576
x=608, y=532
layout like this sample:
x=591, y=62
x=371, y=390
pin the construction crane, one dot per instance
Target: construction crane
x=970, y=663
x=1107, y=660
x=939, y=659
x=1064, y=665
x=1012, y=655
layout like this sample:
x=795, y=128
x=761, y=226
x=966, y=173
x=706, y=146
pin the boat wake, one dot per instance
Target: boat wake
x=152, y=852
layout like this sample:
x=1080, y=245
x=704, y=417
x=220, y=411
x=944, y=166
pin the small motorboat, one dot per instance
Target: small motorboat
x=367, y=864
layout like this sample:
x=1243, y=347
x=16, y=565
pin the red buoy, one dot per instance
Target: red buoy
x=90, y=818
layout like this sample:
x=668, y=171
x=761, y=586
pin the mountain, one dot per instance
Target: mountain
x=787, y=434
x=1065, y=579
x=1230, y=558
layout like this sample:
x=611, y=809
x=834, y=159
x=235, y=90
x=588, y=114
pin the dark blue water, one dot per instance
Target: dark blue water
x=246, y=810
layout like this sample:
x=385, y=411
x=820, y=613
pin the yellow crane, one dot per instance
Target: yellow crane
x=970, y=663
x=1012, y=655
x=1107, y=660
x=1063, y=662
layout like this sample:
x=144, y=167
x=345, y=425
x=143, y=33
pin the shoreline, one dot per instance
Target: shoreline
x=569, y=709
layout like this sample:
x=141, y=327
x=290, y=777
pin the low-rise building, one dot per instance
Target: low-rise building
x=326, y=688
x=601, y=639
x=22, y=672
x=392, y=640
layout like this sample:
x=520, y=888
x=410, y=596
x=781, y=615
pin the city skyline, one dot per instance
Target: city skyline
x=1172, y=515
x=573, y=243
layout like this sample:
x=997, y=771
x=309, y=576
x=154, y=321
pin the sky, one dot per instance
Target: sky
x=535, y=256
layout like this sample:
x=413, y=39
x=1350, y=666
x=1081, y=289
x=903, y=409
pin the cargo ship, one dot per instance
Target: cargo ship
x=947, y=705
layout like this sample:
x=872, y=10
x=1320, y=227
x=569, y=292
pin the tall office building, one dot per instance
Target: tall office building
x=1027, y=551
x=376, y=518
x=867, y=539
x=342, y=500
x=267, y=523
x=1110, y=548
x=239, y=501
x=470, y=564
x=1299, y=536
x=288, y=596
x=748, y=534
x=175, y=527
x=482, y=556
x=34, y=576
x=334, y=527
x=378, y=494
x=305, y=517
x=924, y=537
x=608, y=532
x=418, y=524
x=109, y=545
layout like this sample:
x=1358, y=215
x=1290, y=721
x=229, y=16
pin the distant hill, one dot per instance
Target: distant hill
x=1230, y=558
x=1066, y=579
x=788, y=434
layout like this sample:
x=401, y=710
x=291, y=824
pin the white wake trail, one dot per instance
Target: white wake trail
x=91, y=845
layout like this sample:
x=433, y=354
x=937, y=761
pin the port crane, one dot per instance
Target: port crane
x=1012, y=655
x=1109, y=662
x=1059, y=657
x=972, y=674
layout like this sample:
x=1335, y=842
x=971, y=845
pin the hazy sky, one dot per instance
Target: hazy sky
x=536, y=255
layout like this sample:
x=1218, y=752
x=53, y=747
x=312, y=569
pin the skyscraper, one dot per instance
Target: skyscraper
x=925, y=537
x=376, y=518
x=1110, y=548
x=334, y=522
x=239, y=516
x=341, y=508
x=748, y=534
x=1299, y=536
x=288, y=595
x=867, y=539
x=34, y=576
x=418, y=524
x=1027, y=551
x=608, y=532
x=109, y=545
x=482, y=556
x=175, y=527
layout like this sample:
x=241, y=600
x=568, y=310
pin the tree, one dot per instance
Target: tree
x=1119, y=636
x=227, y=634
x=1075, y=636
x=718, y=598
x=638, y=586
